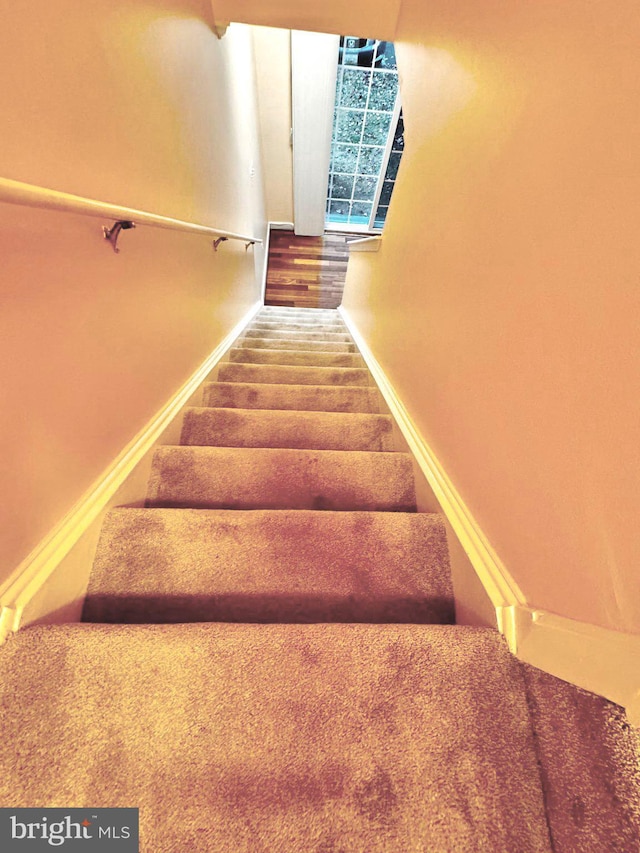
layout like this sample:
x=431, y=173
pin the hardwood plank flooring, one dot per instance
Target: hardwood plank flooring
x=306, y=272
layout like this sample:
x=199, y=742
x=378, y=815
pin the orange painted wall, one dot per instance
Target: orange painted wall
x=504, y=304
x=375, y=18
x=137, y=104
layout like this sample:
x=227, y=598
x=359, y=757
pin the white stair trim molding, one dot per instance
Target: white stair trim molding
x=598, y=659
x=28, y=579
x=365, y=244
x=281, y=226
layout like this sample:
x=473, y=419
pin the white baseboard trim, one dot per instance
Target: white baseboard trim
x=597, y=659
x=29, y=577
x=281, y=226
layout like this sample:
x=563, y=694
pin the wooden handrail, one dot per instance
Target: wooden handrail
x=16, y=192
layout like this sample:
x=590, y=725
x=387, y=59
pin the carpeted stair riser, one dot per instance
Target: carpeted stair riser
x=294, y=375
x=303, y=430
x=167, y=565
x=277, y=311
x=292, y=343
x=277, y=738
x=277, y=326
x=300, y=314
x=302, y=322
x=291, y=316
x=241, y=478
x=300, y=357
x=286, y=334
x=299, y=309
x=297, y=317
x=324, y=304
x=315, y=398
x=307, y=313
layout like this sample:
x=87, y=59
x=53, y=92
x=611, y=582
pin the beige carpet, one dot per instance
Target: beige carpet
x=287, y=478
x=340, y=713
x=270, y=566
x=590, y=762
x=277, y=738
x=300, y=430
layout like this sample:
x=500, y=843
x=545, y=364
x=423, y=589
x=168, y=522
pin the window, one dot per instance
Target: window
x=367, y=138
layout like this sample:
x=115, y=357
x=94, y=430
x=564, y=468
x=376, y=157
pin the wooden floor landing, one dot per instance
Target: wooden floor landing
x=306, y=272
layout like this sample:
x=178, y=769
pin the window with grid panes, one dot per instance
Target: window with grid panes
x=367, y=135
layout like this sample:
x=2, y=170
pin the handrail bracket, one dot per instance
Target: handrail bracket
x=112, y=234
x=217, y=242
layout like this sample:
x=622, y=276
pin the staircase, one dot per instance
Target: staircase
x=268, y=660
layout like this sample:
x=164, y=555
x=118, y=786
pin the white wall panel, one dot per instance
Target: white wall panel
x=314, y=63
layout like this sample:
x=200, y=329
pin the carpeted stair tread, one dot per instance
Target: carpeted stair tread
x=293, y=343
x=232, y=427
x=281, y=374
x=182, y=565
x=301, y=357
x=279, y=738
x=267, y=478
x=317, y=398
x=282, y=334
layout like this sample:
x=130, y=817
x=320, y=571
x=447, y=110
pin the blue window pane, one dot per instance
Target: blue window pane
x=388, y=57
x=398, y=136
x=376, y=128
x=355, y=87
x=371, y=161
x=384, y=88
x=349, y=125
x=394, y=164
x=342, y=186
x=345, y=158
x=365, y=188
x=339, y=208
x=381, y=215
x=385, y=195
x=361, y=209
